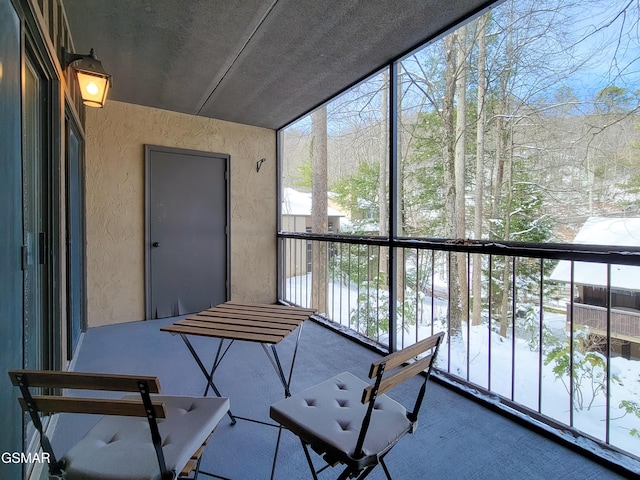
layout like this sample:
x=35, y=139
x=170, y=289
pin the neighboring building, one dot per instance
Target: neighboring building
x=296, y=217
x=590, y=285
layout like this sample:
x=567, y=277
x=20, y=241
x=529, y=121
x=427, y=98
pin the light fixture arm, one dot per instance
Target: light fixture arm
x=69, y=57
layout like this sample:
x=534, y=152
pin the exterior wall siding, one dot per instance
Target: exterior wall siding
x=624, y=325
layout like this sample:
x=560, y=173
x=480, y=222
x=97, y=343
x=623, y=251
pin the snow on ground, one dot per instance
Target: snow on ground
x=488, y=360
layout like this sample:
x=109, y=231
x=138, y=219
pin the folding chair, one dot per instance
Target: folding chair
x=348, y=421
x=141, y=436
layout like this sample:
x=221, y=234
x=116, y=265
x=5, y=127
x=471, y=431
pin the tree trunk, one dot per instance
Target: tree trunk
x=319, y=218
x=400, y=217
x=448, y=155
x=479, y=187
x=504, y=157
x=459, y=167
x=506, y=273
x=383, y=180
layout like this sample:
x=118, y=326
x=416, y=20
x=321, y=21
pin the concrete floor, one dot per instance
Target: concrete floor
x=457, y=438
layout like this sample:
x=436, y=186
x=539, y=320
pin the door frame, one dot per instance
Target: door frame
x=148, y=150
x=72, y=127
x=11, y=279
x=33, y=50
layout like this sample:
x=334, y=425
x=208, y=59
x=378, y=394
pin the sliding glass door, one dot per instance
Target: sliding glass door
x=75, y=238
x=35, y=221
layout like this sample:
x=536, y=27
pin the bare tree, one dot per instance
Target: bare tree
x=449, y=160
x=319, y=208
x=459, y=165
x=479, y=174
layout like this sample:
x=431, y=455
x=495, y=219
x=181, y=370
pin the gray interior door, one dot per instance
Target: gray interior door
x=187, y=230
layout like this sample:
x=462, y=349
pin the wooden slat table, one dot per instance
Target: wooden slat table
x=251, y=322
x=265, y=324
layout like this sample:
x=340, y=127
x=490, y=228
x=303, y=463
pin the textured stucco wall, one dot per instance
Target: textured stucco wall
x=115, y=139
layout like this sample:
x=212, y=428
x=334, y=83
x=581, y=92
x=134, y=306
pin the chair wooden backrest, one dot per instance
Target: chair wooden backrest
x=395, y=368
x=53, y=381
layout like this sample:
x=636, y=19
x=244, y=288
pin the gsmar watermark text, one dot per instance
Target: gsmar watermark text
x=21, y=457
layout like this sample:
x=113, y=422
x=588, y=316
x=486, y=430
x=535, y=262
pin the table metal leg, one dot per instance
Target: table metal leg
x=209, y=376
x=295, y=352
x=216, y=363
x=277, y=366
x=286, y=383
x=275, y=455
x=275, y=362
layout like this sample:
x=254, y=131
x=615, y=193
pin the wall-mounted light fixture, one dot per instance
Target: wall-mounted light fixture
x=93, y=80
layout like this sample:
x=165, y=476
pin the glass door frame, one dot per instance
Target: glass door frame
x=75, y=234
x=48, y=130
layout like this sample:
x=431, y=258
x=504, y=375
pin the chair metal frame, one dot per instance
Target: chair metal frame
x=54, y=403
x=385, y=379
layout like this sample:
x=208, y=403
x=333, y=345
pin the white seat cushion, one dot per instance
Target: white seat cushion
x=329, y=415
x=120, y=448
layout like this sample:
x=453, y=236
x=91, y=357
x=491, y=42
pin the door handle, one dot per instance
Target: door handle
x=155, y=244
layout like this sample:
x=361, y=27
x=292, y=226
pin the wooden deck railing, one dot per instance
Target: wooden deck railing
x=624, y=324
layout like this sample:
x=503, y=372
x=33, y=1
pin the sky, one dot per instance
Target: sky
x=602, y=40
x=613, y=33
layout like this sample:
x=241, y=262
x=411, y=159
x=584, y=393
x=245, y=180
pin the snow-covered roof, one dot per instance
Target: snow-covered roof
x=623, y=232
x=299, y=204
x=620, y=232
